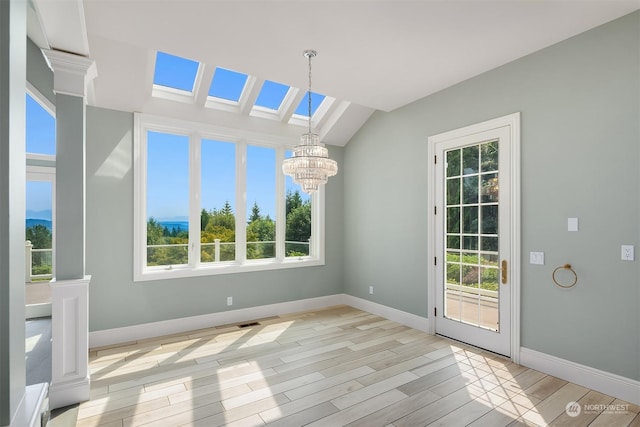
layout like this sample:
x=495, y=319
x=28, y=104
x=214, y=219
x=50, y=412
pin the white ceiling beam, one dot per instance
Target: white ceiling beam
x=294, y=101
x=250, y=94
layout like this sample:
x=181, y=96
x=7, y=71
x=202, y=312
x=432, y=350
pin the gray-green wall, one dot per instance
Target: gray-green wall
x=116, y=301
x=579, y=101
x=13, y=35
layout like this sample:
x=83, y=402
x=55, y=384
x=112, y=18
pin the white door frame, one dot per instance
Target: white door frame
x=513, y=122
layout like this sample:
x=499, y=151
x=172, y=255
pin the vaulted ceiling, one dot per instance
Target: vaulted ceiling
x=372, y=55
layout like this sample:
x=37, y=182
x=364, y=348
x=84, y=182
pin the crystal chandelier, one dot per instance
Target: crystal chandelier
x=310, y=165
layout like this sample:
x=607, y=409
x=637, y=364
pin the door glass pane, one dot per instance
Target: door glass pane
x=470, y=189
x=167, y=199
x=261, y=202
x=218, y=190
x=471, y=287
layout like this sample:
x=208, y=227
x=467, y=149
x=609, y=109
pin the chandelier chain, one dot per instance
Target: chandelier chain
x=309, y=91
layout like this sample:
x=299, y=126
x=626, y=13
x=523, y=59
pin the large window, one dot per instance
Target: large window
x=211, y=200
x=40, y=133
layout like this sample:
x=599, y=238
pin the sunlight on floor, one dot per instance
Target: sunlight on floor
x=31, y=342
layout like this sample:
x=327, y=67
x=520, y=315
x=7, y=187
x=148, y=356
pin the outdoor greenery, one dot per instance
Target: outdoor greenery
x=459, y=273
x=220, y=224
x=40, y=237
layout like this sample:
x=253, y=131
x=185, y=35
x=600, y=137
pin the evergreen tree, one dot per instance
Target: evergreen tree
x=155, y=232
x=205, y=217
x=255, y=213
x=293, y=201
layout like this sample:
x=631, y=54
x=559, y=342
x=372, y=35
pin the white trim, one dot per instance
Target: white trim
x=513, y=122
x=69, y=350
x=44, y=102
x=408, y=319
x=185, y=324
x=33, y=311
x=71, y=72
x=604, y=382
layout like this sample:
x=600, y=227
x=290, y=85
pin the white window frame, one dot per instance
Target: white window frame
x=143, y=123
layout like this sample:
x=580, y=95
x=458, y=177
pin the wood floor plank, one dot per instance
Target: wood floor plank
x=329, y=367
x=310, y=401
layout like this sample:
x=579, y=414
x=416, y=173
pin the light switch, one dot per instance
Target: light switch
x=536, y=258
x=627, y=253
x=572, y=224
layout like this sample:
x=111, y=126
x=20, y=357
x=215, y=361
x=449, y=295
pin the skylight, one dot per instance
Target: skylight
x=175, y=72
x=227, y=84
x=303, y=107
x=271, y=95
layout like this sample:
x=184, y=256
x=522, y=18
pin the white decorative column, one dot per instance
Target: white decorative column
x=70, y=288
x=70, y=378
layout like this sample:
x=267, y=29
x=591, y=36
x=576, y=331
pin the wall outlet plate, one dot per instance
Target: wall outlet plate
x=229, y=300
x=627, y=252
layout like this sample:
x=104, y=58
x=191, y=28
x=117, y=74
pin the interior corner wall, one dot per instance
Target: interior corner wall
x=580, y=138
x=116, y=301
x=39, y=75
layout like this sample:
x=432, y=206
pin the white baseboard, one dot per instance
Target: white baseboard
x=185, y=324
x=69, y=393
x=604, y=382
x=399, y=316
x=34, y=311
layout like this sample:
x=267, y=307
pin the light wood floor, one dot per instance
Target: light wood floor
x=333, y=367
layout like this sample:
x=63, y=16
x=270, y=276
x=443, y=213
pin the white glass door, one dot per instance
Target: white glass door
x=473, y=239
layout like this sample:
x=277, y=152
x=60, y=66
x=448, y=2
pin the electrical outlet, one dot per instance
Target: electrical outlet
x=370, y=290
x=627, y=253
x=229, y=300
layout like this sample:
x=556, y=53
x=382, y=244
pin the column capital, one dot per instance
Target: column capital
x=71, y=72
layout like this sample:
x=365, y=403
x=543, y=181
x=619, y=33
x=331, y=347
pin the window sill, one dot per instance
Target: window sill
x=183, y=271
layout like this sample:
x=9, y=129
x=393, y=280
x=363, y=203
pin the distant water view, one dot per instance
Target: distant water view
x=177, y=225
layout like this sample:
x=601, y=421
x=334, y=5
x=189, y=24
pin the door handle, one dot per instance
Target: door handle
x=503, y=271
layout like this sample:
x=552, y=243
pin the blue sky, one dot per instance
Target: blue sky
x=168, y=177
x=41, y=139
x=168, y=155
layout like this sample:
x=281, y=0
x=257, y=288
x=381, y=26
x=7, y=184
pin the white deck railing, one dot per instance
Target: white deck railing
x=37, y=257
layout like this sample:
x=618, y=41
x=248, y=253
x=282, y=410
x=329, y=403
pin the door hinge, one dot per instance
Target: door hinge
x=435, y=311
x=435, y=210
x=435, y=160
x=435, y=260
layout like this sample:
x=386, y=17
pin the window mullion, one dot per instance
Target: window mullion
x=241, y=202
x=194, y=198
x=281, y=221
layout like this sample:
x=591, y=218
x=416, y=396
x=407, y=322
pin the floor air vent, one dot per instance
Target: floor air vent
x=246, y=325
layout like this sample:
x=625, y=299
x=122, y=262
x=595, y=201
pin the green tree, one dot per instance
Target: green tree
x=299, y=223
x=205, y=217
x=293, y=201
x=40, y=236
x=155, y=232
x=223, y=217
x=255, y=213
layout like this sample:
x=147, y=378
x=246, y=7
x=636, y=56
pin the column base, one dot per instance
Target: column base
x=69, y=393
